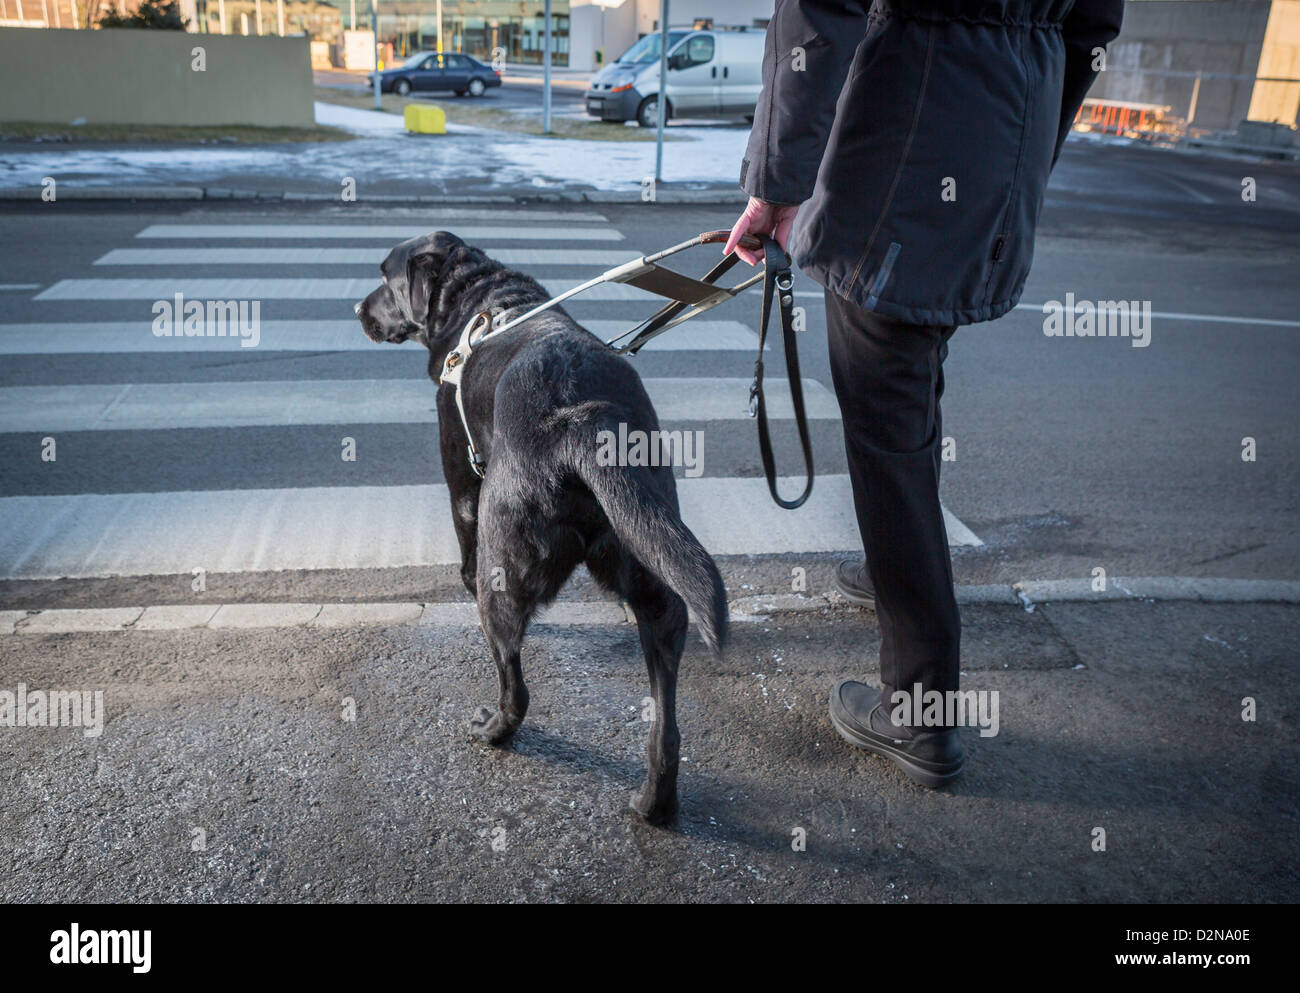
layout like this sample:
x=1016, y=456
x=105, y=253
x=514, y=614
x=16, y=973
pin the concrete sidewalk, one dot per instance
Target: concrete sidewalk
x=225, y=769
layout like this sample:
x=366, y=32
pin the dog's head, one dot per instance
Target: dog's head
x=400, y=307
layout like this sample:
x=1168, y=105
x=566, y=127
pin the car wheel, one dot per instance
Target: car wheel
x=476, y=87
x=647, y=115
x=402, y=87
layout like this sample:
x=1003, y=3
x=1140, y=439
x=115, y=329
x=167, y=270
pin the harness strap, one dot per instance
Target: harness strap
x=778, y=284
x=453, y=368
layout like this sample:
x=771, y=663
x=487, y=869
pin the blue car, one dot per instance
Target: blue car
x=428, y=71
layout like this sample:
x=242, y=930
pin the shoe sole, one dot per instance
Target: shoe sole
x=928, y=775
x=862, y=600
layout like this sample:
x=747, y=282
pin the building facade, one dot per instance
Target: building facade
x=584, y=33
x=1235, y=47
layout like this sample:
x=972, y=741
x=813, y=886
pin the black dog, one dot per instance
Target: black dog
x=536, y=397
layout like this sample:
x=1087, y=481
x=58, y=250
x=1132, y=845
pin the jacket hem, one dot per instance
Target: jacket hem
x=910, y=313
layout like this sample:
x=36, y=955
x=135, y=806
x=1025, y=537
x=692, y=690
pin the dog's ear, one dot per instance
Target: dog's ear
x=409, y=271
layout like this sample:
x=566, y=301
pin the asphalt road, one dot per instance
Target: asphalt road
x=226, y=770
x=1070, y=453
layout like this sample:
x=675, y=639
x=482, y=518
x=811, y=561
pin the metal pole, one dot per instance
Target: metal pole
x=439, y=27
x=259, y=17
x=354, y=14
x=661, y=101
x=374, y=30
x=279, y=10
x=546, y=72
x=1196, y=94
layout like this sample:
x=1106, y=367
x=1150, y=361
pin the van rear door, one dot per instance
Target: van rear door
x=740, y=61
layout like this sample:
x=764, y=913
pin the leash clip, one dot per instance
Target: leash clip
x=476, y=461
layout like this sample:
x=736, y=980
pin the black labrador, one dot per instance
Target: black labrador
x=536, y=398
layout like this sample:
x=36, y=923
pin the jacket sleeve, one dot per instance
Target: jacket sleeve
x=809, y=46
x=1091, y=24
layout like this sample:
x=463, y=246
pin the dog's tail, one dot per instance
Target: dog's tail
x=649, y=524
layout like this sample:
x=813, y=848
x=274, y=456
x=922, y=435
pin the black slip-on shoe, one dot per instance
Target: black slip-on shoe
x=931, y=758
x=854, y=583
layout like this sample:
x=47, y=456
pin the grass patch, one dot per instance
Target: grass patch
x=232, y=134
x=479, y=113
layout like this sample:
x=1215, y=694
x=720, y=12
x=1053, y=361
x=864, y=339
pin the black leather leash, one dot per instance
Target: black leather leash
x=778, y=287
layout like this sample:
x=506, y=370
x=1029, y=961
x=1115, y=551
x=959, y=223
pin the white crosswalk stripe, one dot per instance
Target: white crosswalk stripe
x=255, y=288
x=135, y=534
x=312, y=527
x=316, y=336
x=601, y=258
x=390, y=234
x=171, y=406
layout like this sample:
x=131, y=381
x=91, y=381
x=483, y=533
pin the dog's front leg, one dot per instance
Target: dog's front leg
x=463, y=485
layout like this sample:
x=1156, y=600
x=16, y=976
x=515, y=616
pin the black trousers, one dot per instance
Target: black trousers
x=888, y=378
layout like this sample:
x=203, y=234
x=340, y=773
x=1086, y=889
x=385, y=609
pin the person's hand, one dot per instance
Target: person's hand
x=761, y=217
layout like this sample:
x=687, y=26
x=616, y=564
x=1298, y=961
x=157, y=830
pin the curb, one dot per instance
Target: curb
x=192, y=193
x=250, y=616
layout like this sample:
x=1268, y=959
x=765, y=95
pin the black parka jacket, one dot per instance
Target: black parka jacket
x=921, y=134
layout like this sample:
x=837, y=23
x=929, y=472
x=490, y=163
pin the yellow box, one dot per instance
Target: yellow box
x=425, y=118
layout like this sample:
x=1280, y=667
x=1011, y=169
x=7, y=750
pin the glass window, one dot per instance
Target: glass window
x=647, y=49
x=699, y=50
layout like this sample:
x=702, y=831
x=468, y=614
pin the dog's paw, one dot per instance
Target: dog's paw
x=654, y=810
x=491, y=727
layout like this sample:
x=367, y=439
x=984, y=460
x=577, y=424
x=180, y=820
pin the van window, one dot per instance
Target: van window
x=698, y=50
x=646, y=50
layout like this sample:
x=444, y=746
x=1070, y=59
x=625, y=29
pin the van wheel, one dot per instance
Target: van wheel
x=647, y=115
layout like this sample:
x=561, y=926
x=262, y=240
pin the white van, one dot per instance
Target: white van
x=715, y=72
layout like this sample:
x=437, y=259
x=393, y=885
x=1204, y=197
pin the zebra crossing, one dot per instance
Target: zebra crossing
x=127, y=454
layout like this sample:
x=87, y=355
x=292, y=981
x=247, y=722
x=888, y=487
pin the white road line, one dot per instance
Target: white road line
x=210, y=289
x=202, y=288
x=1166, y=315
x=109, y=337
x=134, y=534
x=601, y=258
x=695, y=335
x=393, y=233
x=171, y=406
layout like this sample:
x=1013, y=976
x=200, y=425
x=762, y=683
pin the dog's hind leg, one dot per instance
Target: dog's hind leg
x=661, y=621
x=504, y=620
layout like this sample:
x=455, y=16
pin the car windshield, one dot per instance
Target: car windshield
x=647, y=49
